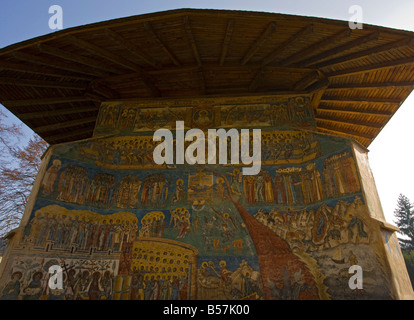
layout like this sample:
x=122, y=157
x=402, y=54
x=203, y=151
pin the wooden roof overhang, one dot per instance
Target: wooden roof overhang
x=358, y=78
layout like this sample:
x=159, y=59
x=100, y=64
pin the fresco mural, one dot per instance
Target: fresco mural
x=123, y=227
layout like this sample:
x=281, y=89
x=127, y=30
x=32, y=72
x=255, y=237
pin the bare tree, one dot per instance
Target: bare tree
x=19, y=166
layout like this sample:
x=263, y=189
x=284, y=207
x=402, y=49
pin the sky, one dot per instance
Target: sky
x=391, y=154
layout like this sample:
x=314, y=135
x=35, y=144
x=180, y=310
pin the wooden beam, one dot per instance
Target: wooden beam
x=318, y=90
x=387, y=85
x=72, y=134
x=76, y=58
x=368, y=68
x=66, y=124
x=336, y=132
x=131, y=47
x=287, y=44
x=226, y=41
x=306, y=81
x=41, y=83
x=49, y=62
x=362, y=100
x=46, y=71
x=316, y=47
x=154, y=35
x=335, y=129
x=355, y=111
x=265, y=35
x=103, y=89
x=202, y=81
x=321, y=85
x=191, y=39
x=357, y=55
x=34, y=101
x=117, y=60
x=104, y=53
x=337, y=50
x=54, y=113
x=256, y=80
x=358, y=123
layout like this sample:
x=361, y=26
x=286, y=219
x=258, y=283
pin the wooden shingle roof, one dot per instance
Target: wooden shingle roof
x=358, y=78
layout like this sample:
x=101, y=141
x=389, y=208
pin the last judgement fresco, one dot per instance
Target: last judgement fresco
x=126, y=228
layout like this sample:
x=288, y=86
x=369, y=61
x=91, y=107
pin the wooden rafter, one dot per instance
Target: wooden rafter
x=131, y=47
x=266, y=34
x=315, y=47
x=287, y=44
x=103, y=90
x=340, y=121
x=41, y=83
x=118, y=60
x=361, y=54
x=148, y=26
x=54, y=113
x=226, y=41
x=390, y=85
x=373, y=67
x=104, y=53
x=85, y=61
x=256, y=80
x=66, y=124
x=41, y=70
x=63, y=136
x=355, y=111
x=318, y=89
x=349, y=132
x=306, y=81
x=50, y=62
x=337, y=50
x=355, y=137
x=362, y=100
x=34, y=101
x=191, y=39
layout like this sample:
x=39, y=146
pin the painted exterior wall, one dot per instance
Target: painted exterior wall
x=126, y=228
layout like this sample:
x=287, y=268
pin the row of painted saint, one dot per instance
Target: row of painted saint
x=74, y=185
x=90, y=284
x=158, y=287
x=80, y=233
x=290, y=186
x=296, y=185
x=84, y=280
x=83, y=286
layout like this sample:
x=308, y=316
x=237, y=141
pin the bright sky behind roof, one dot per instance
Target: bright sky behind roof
x=391, y=154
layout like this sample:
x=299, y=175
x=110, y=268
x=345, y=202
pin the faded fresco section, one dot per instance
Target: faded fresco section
x=123, y=227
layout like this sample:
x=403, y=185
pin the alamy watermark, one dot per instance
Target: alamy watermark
x=231, y=144
x=355, y=21
x=56, y=278
x=56, y=20
x=356, y=280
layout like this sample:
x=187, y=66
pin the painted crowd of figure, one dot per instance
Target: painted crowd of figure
x=51, y=230
x=82, y=280
x=319, y=228
x=296, y=110
x=294, y=185
x=222, y=283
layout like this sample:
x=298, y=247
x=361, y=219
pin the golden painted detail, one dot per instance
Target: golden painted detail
x=161, y=269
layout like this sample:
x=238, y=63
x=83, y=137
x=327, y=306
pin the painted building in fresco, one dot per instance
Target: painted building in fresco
x=126, y=228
